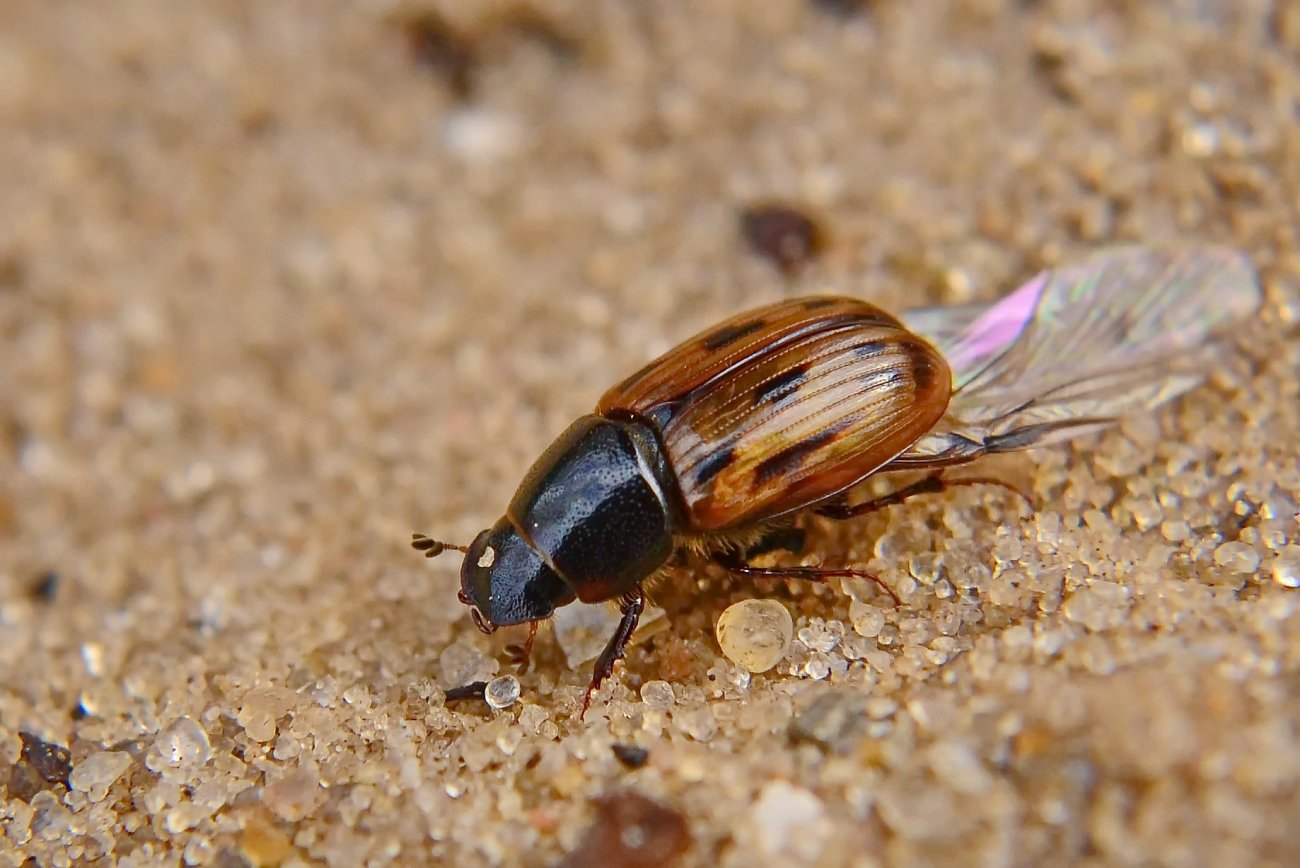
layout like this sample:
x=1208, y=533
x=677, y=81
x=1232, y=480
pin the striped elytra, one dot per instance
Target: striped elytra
x=781, y=407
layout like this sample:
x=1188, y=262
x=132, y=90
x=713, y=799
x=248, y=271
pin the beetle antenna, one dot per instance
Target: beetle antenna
x=432, y=547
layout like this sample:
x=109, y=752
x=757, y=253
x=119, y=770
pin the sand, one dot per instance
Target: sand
x=281, y=283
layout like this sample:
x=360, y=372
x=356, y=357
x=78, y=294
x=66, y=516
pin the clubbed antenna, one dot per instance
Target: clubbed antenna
x=432, y=547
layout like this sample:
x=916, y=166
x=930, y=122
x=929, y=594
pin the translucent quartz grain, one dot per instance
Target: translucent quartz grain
x=755, y=634
x=790, y=822
x=502, y=692
x=183, y=745
x=97, y=772
x=1237, y=556
x=1286, y=568
x=657, y=694
x=868, y=620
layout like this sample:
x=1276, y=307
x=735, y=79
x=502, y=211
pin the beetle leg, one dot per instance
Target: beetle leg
x=737, y=566
x=521, y=654
x=932, y=484
x=633, y=604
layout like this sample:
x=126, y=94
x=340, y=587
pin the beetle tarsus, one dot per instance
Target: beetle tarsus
x=521, y=655
x=633, y=604
x=473, y=690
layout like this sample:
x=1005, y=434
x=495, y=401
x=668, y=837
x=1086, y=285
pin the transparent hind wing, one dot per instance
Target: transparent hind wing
x=1077, y=347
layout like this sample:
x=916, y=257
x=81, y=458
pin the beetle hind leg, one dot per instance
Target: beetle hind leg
x=632, y=606
x=934, y=483
x=737, y=566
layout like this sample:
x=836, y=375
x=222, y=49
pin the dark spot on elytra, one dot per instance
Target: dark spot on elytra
x=781, y=385
x=870, y=349
x=728, y=335
x=786, y=236
x=922, y=368
x=713, y=465
x=788, y=459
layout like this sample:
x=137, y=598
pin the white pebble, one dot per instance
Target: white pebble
x=790, y=821
x=755, y=634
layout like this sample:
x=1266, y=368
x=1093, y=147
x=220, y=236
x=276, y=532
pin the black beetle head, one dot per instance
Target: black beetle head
x=505, y=581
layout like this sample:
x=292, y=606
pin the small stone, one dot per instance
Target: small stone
x=925, y=567
x=262, y=844
x=818, y=636
x=868, y=620
x=696, y=721
x=633, y=831
x=438, y=47
x=956, y=764
x=502, y=692
x=52, y=762
x=657, y=694
x=835, y=720
x=784, y=235
x=183, y=745
x=1237, y=557
x=630, y=755
x=1286, y=569
x=99, y=771
x=1099, y=606
x=790, y=822
x=293, y=796
x=483, y=136
x=45, y=586
x=755, y=634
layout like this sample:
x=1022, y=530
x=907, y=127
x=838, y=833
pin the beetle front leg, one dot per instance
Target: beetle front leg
x=633, y=604
x=521, y=655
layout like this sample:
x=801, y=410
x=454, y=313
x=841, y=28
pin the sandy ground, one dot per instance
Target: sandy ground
x=282, y=282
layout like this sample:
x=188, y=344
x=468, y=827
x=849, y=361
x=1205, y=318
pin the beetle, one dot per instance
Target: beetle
x=786, y=408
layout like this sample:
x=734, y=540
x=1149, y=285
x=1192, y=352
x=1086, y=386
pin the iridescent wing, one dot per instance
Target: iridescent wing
x=782, y=407
x=1077, y=347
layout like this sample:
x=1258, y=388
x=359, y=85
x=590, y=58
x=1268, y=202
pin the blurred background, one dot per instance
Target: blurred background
x=282, y=282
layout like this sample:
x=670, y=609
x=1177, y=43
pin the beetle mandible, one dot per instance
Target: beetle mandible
x=786, y=408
